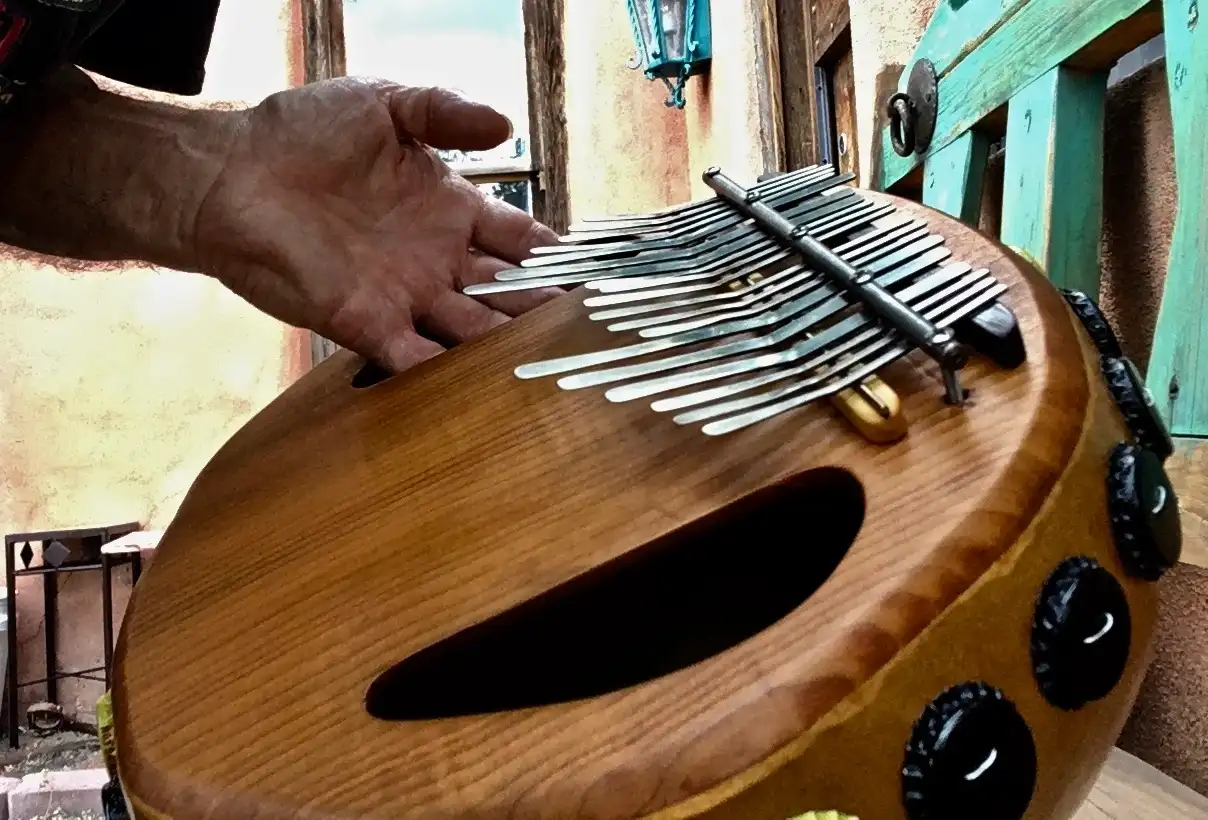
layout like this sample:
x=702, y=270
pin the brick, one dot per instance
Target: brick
x=37, y=795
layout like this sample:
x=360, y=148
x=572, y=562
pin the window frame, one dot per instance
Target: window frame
x=546, y=170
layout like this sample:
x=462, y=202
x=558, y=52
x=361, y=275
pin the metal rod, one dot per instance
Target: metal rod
x=941, y=345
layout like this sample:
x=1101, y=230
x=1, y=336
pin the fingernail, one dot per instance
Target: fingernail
x=511, y=128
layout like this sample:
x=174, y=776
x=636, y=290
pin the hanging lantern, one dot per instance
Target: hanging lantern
x=674, y=41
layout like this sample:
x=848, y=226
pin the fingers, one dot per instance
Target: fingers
x=483, y=269
x=507, y=232
x=455, y=318
x=444, y=119
x=407, y=350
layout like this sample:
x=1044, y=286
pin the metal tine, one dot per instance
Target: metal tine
x=689, y=235
x=852, y=214
x=887, y=231
x=930, y=240
x=741, y=234
x=985, y=288
x=674, y=212
x=821, y=341
x=662, y=326
x=623, y=236
x=728, y=425
x=970, y=285
x=724, y=426
x=837, y=302
x=688, y=269
x=711, y=221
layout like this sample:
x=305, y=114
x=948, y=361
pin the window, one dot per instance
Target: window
x=474, y=46
x=505, y=53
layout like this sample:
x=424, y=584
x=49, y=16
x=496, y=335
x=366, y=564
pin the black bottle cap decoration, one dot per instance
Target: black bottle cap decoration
x=1136, y=403
x=994, y=333
x=971, y=754
x=1101, y=333
x=1081, y=634
x=1144, y=512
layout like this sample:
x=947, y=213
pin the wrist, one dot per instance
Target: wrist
x=101, y=176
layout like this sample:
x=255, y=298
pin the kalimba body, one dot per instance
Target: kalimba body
x=456, y=593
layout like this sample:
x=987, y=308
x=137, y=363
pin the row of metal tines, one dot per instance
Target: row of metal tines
x=732, y=327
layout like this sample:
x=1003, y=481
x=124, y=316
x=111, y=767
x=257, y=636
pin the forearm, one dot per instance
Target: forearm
x=89, y=174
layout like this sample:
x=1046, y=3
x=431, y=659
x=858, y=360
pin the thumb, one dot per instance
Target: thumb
x=443, y=118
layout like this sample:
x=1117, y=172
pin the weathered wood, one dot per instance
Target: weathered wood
x=545, y=58
x=768, y=97
x=1040, y=36
x=1188, y=469
x=953, y=177
x=1131, y=789
x=843, y=87
x=1052, y=208
x=829, y=21
x=1178, y=364
x=323, y=39
x=798, y=101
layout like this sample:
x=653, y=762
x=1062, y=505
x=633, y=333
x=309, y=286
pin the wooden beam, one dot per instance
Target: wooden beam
x=323, y=39
x=1053, y=31
x=953, y=177
x=1052, y=208
x=1178, y=365
x=798, y=101
x=769, y=105
x=545, y=57
x=829, y=21
x=843, y=95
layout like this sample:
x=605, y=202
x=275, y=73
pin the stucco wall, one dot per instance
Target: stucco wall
x=627, y=150
x=119, y=385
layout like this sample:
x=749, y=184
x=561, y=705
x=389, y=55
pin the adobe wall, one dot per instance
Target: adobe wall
x=117, y=386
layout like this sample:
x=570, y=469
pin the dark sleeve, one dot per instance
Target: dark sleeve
x=160, y=45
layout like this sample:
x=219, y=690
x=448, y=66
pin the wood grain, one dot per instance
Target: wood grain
x=830, y=20
x=1188, y=469
x=1052, y=205
x=453, y=493
x=545, y=59
x=953, y=177
x=1130, y=789
x=1178, y=363
x=797, y=84
x=843, y=82
x=769, y=100
x=1049, y=32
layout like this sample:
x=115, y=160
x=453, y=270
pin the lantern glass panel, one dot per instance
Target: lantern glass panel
x=650, y=44
x=672, y=12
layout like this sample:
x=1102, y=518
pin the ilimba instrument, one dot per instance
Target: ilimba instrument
x=804, y=499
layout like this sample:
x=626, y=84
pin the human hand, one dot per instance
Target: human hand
x=332, y=213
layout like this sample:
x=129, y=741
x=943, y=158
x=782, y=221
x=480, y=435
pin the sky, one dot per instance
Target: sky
x=474, y=46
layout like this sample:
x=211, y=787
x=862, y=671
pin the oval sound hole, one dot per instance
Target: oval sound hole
x=672, y=603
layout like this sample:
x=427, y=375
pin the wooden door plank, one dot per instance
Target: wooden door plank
x=1131, y=789
x=1040, y=36
x=953, y=176
x=957, y=28
x=797, y=83
x=1052, y=209
x=843, y=89
x=1178, y=364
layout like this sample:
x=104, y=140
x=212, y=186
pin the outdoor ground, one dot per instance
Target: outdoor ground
x=64, y=751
